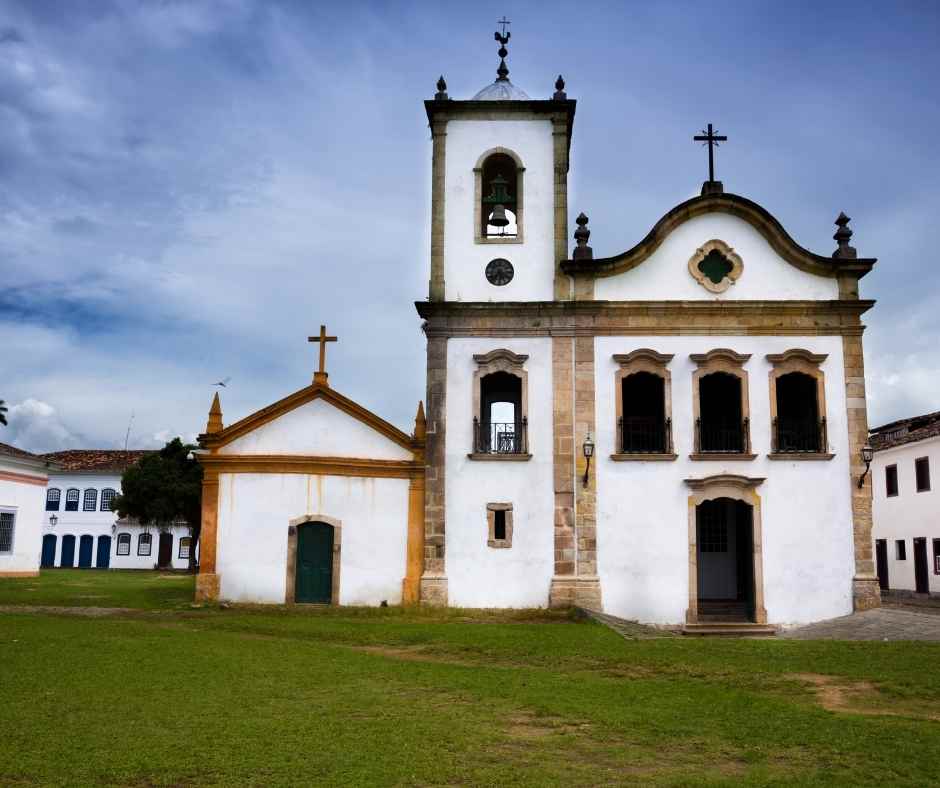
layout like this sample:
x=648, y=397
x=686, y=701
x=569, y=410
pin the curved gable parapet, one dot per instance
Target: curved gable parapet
x=752, y=213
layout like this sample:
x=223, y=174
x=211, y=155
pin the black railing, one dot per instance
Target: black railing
x=645, y=435
x=805, y=436
x=501, y=438
x=721, y=436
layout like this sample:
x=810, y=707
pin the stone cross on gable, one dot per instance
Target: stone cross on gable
x=320, y=375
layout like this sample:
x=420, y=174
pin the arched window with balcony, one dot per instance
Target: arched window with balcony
x=644, y=406
x=498, y=177
x=720, y=405
x=500, y=406
x=798, y=405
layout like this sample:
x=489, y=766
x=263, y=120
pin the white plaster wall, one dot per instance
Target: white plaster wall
x=642, y=507
x=254, y=514
x=910, y=514
x=98, y=524
x=664, y=275
x=26, y=501
x=533, y=260
x=478, y=575
x=317, y=428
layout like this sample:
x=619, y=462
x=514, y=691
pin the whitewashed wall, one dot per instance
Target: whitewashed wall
x=254, y=514
x=26, y=501
x=478, y=575
x=664, y=275
x=642, y=507
x=465, y=260
x=910, y=514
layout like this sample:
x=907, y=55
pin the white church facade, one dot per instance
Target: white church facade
x=671, y=434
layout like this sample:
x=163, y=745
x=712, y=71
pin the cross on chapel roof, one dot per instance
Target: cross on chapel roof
x=320, y=375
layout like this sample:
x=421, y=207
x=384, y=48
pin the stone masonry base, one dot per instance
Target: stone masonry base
x=865, y=593
x=434, y=590
x=207, y=587
x=581, y=591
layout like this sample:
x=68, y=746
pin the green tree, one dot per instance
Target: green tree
x=163, y=487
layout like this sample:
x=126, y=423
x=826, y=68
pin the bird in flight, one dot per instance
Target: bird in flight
x=222, y=382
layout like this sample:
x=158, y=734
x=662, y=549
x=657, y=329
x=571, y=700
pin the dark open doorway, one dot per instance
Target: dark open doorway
x=921, y=576
x=725, y=560
x=881, y=561
x=165, y=551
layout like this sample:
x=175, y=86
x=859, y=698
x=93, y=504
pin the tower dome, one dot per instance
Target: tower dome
x=502, y=89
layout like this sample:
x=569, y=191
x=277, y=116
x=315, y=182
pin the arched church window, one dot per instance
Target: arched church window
x=498, y=176
x=500, y=423
x=798, y=404
x=722, y=419
x=644, y=408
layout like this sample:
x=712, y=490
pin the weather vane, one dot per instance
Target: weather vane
x=503, y=38
x=711, y=139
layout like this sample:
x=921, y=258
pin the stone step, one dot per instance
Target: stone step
x=737, y=629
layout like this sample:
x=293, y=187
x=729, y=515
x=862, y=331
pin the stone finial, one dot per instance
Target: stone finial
x=841, y=237
x=560, y=94
x=215, y=416
x=421, y=426
x=582, y=251
x=441, y=94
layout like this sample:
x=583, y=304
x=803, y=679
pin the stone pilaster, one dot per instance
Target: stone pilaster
x=207, y=581
x=434, y=579
x=865, y=590
x=560, y=145
x=563, y=462
x=438, y=158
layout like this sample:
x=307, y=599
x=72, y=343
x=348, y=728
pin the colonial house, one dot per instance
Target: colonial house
x=671, y=433
x=23, y=478
x=79, y=528
x=906, y=508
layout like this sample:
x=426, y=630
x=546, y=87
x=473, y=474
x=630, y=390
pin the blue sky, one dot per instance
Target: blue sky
x=187, y=190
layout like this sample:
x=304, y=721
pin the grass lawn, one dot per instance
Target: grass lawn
x=175, y=696
x=99, y=588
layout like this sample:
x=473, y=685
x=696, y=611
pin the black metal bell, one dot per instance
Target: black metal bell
x=498, y=217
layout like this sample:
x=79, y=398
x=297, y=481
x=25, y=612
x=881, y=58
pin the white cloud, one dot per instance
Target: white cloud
x=35, y=426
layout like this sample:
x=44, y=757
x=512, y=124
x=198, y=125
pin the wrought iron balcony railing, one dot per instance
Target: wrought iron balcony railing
x=645, y=435
x=501, y=438
x=804, y=436
x=722, y=436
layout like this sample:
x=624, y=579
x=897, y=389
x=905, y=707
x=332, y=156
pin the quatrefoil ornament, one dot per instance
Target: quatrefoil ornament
x=715, y=266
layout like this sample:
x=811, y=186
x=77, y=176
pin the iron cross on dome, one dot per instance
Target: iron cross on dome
x=320, y=375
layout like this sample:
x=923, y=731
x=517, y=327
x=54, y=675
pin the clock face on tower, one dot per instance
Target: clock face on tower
x=499, y=272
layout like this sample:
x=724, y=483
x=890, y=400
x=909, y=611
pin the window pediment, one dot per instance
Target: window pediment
x=721, y=354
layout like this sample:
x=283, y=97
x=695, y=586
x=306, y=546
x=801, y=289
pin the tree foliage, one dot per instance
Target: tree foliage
x=163, y=487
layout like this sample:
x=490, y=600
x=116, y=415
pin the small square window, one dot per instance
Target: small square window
x=922, y=473
x=900, y=550
x=499, y=524
x=891, y=480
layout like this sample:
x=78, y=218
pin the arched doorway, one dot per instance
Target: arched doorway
x=48, y=551
x=85, y=545
x=67, y=559
x=103, y=558
x=725, y=548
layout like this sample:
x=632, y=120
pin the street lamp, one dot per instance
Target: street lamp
x=53, y=519
x=867, y=453
x=588, y=448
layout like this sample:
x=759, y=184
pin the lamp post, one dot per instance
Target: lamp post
x=867, y=453
x=53, y=519
x=588, y=448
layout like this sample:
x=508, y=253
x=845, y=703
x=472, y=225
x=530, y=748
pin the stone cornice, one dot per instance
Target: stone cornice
x=755, y=215
x=318, y=466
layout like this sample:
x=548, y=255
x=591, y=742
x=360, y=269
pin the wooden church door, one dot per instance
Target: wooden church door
x=314, y=581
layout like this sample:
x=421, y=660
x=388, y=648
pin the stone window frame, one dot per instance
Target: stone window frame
x=655, y=363
x=732, y=363
x=491, y=540
x=716, y=245
x=807, y=363
x=478, y=236
x=738, y=488
x=500, y=360
x=290, y=587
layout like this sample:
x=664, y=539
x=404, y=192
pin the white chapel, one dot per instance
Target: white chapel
x=671, y=434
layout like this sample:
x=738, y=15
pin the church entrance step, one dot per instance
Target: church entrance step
x=737, y=629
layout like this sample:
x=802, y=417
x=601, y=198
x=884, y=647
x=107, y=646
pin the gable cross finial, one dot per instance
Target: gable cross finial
x=502, y=73
x=320, y=375
x=711, y=139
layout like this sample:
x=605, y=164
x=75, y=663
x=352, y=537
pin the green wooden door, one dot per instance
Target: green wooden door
x=314, y=563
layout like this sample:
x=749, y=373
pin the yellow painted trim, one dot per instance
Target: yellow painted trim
x=318, y=466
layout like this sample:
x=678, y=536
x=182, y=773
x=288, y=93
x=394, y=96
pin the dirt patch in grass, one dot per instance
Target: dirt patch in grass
x=85, y=612
x=527, y=725
x=838, y=694
x=413, y=654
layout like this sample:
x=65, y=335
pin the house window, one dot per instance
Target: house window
x=143, y=544
x=720, y=404
x=644, y=407
x=500, y=425
x=71, y=500
x=107, y=495
x=498, y=190
x=91, y=500
x=7, y=524
x=124, y=544
x=891, y=480
x=900, y=550
x=922, y=473
x=936, y=556
x=185, y=543
x=53, y=496
x=499, y=525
